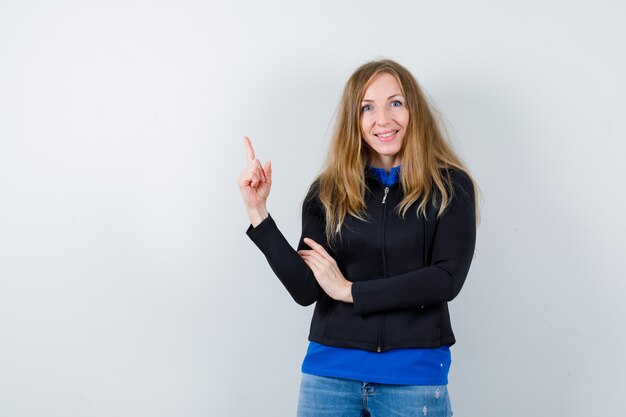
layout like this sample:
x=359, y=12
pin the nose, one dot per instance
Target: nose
x=383, y=118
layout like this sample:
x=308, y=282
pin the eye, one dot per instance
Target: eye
x=396, y=103
x=367, y=107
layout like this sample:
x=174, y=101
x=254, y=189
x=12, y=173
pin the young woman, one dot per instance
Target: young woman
x=388, y=236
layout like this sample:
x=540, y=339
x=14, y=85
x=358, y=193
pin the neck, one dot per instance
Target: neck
x=386, y=162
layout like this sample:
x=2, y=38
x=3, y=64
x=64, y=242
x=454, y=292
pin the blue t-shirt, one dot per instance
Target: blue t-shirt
x=403, y=366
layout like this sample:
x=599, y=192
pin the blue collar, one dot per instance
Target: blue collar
x=387, y=178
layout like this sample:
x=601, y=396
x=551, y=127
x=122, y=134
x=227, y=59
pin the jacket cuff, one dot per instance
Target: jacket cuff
x=357, y=299
x=254, y=233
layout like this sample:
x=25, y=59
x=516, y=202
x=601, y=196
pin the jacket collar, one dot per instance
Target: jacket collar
x=380, y=174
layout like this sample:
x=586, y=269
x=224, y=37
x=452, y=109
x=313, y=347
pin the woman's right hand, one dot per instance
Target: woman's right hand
x=255, y=183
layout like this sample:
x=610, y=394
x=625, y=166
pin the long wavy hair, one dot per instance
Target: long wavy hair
x=425, y=155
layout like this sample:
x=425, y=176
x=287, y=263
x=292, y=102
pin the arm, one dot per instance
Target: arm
x=452, y=252
x=288, y=266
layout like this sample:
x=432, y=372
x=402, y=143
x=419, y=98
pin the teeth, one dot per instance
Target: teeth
x=386, y=135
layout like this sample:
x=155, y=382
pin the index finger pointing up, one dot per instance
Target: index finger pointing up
x=249, y=150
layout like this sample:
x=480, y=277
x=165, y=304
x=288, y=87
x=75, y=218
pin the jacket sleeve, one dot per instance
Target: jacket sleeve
x=452, y=253
x=288, y=266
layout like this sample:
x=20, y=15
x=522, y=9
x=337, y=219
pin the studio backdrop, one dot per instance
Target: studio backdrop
x=128, y=286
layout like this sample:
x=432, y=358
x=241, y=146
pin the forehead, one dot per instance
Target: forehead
x=382, y=86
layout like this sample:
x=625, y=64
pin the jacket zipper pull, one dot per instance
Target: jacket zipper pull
x=385, y=196
x=378, y=350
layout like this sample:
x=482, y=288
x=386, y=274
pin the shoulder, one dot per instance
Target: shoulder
x=313, y=192
x=312, y=203
x=461, y=181
x=459, y=185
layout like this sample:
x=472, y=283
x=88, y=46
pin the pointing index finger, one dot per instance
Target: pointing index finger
x=249, y=150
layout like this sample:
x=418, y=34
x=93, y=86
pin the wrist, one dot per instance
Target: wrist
x=257, y=215
x=348, y=293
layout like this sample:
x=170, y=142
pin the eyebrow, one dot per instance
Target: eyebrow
x=371, y=101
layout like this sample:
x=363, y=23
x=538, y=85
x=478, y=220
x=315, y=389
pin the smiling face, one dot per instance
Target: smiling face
x=384, y=120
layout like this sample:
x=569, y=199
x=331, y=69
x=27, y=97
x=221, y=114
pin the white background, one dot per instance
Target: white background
x=127, y=284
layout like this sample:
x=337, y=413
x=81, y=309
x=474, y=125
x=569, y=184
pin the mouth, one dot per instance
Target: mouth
x=386, y=136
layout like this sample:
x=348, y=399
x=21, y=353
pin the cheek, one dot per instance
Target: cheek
x=405, y=118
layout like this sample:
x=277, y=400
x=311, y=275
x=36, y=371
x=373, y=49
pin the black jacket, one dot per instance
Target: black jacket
x=404, y=272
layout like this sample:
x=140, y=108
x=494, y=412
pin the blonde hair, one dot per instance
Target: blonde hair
x=341, y=183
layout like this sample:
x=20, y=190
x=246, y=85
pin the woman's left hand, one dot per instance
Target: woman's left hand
x=326, y=271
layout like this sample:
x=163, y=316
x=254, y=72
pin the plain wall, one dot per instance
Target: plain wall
x=127, y=284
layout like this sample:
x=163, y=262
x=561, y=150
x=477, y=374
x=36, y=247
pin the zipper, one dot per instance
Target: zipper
x=382, y=240
x=385, y=196
x=380, y=333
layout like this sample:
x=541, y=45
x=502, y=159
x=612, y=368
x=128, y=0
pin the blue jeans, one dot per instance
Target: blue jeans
x=335, y=397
